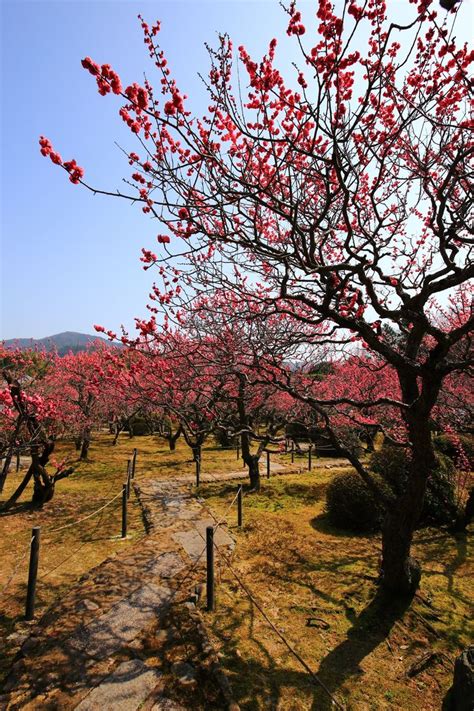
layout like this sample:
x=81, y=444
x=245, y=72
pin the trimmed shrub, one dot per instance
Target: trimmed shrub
x=446, y=444
x=391, y=464
x=351, y=505
x=224, y=438
x=140, y=426
x=439, y=508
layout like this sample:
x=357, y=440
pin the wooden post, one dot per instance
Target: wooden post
x=124, y=510
x=128, y=478
x=134, y=462
x=268, y=465
x=32, y=573
x=239, y=506
x=198, y=470
x=310, y=452
x=210, y=568
x=292, y=451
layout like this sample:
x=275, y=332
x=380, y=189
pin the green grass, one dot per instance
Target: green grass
x=317, y=584
x=67, y=554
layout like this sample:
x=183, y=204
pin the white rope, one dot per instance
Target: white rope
x=15, y=569
x=291, y=649
x=79, y=520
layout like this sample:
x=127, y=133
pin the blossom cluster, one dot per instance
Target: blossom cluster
x=107, y=79
x=76, y=173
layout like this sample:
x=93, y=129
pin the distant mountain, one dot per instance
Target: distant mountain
x=63, y=342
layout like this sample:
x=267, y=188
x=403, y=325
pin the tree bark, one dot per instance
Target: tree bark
x=5, y=469
x=252, y=461
x=197, y=451
x=173, y=438
x=86, y=441
x=19, y=490
x=400, y=572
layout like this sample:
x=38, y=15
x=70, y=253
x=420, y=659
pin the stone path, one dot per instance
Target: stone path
x=137, y=638
x=128, y=636
x=127, y=686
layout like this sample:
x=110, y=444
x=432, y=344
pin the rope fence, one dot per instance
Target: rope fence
x=34, y=543
x=208, y=549
x=210, y=543
x=275, y=629
x=85, y=518
x=15, y=570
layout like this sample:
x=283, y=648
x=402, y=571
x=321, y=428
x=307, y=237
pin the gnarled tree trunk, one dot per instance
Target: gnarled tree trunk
x=173, y=438
x=254, y=471
x=86, y=441
x=400, y=572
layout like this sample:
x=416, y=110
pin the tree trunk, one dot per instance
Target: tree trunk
x=86, y=441
x=5, y=470
x=19, y=490
x=43, y=490
x=43, y=483
x=400, y=572
x=78, y=443
x=118, y=427
x=173, y=438
x=254, y=471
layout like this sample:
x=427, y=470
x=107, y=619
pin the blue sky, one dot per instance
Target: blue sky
x=70, y=259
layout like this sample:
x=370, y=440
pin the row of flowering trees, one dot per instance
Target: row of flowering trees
x=196, y=385
x=332, y=207
x=212, y=375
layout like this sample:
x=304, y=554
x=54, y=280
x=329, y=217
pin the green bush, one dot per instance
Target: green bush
x=391, y=464
x=225, y=438
x=140, y=426
x=445, y=444
x=351, y=505
x=439, y=508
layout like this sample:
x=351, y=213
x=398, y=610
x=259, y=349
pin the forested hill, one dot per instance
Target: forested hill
x=63, y=342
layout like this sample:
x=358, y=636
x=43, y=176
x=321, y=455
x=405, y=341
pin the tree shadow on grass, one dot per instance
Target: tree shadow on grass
x=322, y=524
x=18, y=508
x=270, y=677
x=371, y=627
x=459, y=559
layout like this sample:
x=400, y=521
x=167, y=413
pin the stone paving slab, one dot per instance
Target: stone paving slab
x=164, y=704
x=166, y=565
x=122, y=623
x=124, y=690
x=194, y=540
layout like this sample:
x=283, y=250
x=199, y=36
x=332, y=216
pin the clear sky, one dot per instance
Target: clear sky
x=68, y=259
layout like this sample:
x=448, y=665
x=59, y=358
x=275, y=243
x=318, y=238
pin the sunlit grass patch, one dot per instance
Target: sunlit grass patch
x=318, y=585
